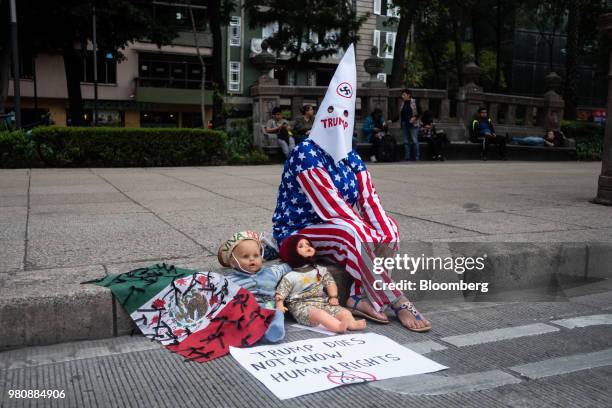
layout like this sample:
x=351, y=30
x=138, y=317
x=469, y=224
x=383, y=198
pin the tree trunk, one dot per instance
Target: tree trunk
x=476, y=37
x=435, y=64
x=571, y=62
x=457, y=11
x=5, y=54
x=498, y=37
x=73, y=82
x=508, y=46
x=551, y=51
x=214, y=19
x=399, y=48
x=5, y=60
x=194, y=30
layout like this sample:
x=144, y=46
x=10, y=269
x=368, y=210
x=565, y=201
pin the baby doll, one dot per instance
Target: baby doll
x=304, y=288
x=243, y=252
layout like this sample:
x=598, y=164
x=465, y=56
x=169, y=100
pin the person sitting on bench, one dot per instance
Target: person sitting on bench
x=437, y=141
x=483, y=131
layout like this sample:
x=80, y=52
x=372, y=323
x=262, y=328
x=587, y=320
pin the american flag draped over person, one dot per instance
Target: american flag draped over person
x=326, y=194
x=336, y=206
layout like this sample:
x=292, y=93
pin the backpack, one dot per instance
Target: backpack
x=387, y=149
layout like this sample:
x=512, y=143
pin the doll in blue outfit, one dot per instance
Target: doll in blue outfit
x=243, y=253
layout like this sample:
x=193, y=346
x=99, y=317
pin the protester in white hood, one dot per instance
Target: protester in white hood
x=323, y=180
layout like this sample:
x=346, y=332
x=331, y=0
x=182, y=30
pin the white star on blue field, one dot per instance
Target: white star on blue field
x=293, y=210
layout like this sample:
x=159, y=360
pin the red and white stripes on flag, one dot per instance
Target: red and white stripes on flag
x=347, y=237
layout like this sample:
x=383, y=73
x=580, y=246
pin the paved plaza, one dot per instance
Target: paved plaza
x=58, y=218
x=59, y=227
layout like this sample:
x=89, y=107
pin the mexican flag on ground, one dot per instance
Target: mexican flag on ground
x=198, y=315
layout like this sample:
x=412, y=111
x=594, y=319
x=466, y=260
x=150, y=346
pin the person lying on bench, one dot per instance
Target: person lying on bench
x=551, y=139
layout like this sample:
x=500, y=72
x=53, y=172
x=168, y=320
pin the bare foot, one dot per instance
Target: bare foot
x=366, y=307
x=357, y=325
x=341, y=328
x=408, y=318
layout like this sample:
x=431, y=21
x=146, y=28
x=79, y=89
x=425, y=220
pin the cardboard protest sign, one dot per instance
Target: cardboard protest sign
x=303, y=367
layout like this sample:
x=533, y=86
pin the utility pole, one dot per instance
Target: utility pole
x=604, y=191
x=202, y=67
x=16, y=73
x=95, y=68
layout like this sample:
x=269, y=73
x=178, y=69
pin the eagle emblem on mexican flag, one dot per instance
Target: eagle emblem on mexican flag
x=198, y=315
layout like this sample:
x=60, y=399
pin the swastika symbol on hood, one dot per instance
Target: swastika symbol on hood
x=345, y=90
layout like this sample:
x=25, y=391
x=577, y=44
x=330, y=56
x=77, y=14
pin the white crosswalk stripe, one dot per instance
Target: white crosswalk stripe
x=428, y=384
x=564, y=365
x=506, y=333
x=424, y=347
x=584, y=321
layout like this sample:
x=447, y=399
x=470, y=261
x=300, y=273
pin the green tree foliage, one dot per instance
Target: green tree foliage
x=218, y=16
x=307, y=29
x=62, y=27
x=449, y=33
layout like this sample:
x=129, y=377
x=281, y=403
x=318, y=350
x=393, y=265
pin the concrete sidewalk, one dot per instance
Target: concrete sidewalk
x=59, y=227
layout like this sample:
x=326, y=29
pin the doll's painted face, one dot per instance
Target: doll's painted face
x=304, y=249
x=247, y=255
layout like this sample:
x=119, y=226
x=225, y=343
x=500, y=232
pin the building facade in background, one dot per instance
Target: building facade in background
x=160, y=87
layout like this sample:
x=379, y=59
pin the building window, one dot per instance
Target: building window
x=234, y=31
x=172, y=71
x=376, y=41
x=234, y=76
x=382, y=77
x=159, y=119
x=378, y=7
x=311, y=79
x=110, y=118
x=292, y=78
x=182, y=17
x=324, y=76
x=26, y=66
x=390, y=43
x=191, y=120
x=107, y=67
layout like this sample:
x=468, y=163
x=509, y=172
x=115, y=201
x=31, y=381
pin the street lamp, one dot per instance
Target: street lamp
x=604, y=191
x=16, y=74
x=95, y=69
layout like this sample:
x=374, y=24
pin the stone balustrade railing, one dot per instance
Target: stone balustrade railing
x=514, y=114
x=517, y=115
x=267, y=96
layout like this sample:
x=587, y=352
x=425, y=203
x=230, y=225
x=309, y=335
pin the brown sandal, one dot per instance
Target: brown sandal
x=359, y=313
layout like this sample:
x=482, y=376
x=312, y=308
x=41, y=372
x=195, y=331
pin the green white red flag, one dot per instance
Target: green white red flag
x=198, y=315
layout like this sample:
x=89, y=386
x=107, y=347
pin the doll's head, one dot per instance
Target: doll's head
x=242, y=252
x=297, y=251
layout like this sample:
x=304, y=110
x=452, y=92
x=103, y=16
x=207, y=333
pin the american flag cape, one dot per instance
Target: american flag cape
x=198, y=315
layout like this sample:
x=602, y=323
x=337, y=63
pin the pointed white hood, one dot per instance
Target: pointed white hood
x=332, y=129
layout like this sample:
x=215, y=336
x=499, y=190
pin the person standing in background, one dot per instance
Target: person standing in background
x=302, y=126
x=409, y=120
x=279, y=126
